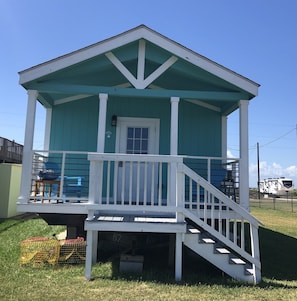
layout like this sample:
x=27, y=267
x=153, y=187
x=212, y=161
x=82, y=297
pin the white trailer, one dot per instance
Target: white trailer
x=276, y=186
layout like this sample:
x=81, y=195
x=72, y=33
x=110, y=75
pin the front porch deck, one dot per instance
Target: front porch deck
x=126, y=179
x=147, y=193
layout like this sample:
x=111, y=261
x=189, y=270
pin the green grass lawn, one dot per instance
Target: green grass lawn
x=278, y=244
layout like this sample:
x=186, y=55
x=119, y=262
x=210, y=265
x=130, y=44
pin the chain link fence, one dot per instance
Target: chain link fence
x=284, y=203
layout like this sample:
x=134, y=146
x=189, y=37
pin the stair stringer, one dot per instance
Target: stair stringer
x=221, y=261
x=192, y=241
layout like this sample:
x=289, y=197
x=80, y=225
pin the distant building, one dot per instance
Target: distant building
x=10, y=151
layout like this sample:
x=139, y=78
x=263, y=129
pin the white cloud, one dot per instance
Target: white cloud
x=229, y=154
x=292, y=171
x=270, y=171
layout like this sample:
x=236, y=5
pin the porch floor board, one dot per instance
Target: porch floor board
x=129, y=223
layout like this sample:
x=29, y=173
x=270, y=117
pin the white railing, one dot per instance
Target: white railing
x=223, y=173
x=68, y=174
x=125, y=179
x=220, y=216
x=133, y=180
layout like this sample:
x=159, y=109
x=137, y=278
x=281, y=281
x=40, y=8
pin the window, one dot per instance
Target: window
x=137, y=140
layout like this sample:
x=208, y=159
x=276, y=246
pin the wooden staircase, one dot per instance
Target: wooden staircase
x=219, y=229
x=218, y=254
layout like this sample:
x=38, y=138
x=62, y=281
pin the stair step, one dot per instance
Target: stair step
x=194, y=230
x=249, y=271
x=222, y=251
x=208, y=240
x=237, y=261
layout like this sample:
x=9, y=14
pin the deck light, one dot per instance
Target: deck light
x=114, y=120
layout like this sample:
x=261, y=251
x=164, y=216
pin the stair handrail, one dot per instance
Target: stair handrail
x=254, y=257
x=220, y=195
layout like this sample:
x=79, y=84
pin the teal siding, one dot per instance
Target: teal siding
x=74, y=126
x=199, y=130
x=146, y=108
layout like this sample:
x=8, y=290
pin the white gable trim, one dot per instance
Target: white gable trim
x=141, y=60
x=78, y=56
x=118, y=64
x=70, y=98
x=141, y=32
x=204, y=104
x=140, y=82
x=201, y=61
x=158, y=72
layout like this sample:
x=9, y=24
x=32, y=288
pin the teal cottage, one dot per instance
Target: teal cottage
x=136, y=142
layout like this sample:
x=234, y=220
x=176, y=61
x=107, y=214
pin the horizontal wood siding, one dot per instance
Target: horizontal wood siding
x=74, y=125
x=146, y=108
x=199, y=131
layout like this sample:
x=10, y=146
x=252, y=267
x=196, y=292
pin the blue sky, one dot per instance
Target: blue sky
x=256, y=38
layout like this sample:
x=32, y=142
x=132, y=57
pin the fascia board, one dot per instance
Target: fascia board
x=201, y=62
x=77, y=56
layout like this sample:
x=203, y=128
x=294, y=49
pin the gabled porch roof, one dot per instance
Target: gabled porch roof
x=138, y=63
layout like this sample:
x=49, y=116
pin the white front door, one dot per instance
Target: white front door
x=137, y=182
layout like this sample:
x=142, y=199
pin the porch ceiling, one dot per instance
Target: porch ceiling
x=99, y=74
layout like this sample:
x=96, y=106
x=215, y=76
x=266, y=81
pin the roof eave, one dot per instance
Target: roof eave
x=140, y=32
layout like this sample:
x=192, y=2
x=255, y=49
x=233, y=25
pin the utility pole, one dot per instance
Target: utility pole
x=258, y=162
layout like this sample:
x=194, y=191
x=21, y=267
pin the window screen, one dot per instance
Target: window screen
x=137, y=140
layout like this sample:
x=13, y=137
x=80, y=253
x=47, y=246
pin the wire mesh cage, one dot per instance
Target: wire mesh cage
x=40, y=251
x=37, y=251
x=72, y=251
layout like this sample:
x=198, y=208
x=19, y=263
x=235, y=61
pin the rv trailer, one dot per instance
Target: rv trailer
x=276, y=186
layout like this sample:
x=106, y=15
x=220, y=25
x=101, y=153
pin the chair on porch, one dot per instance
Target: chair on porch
x=50, y=179
x=51, y=171
x=223, y=180
x=73, y=186
x=228, y=186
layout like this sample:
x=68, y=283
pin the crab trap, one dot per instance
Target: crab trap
x=39, y=251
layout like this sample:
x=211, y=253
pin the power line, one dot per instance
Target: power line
x=276, y=139
x=280, y=137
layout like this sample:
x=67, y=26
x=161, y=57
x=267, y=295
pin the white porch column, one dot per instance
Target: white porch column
x=48, y=122
x=174, y=198
x=89, y=254
x=28, y=147
x=95, y=186
x=224, y=135
x=174, y=126
x=102, y=122
x=173, y=148
x=178, y=256
x=96, y=166
x=244, y=155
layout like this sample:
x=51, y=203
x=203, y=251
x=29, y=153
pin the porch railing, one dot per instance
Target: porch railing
x=69, y=181
x=132, y=180
x=223, y=173
x=125, y=179
x=220, y=216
